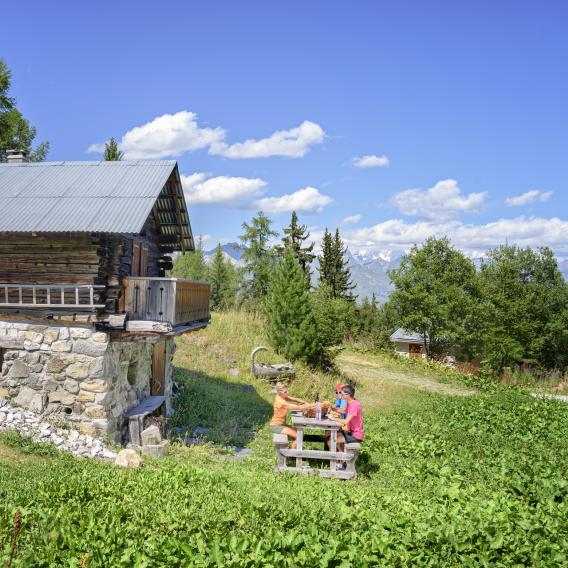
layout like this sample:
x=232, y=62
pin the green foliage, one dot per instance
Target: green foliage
x=291, y=326
x=25, y=445
x=294, y=238
x=224, y=280
x=112, y=153
x=333, y=267
x=436, y=295
x=191, y=265
x=525, y=302
x=375, y=323
x=258, y=256
x=16, y=133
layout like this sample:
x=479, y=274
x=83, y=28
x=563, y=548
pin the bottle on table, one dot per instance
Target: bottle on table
x=318, y=408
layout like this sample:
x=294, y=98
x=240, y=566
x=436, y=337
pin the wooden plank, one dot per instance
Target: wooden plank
x=318, y=455
x=328, y=473
x=158, y=378
x=148, y=326
x=299, y=447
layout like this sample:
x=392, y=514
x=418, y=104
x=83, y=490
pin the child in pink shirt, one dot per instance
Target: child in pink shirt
x=353, y=430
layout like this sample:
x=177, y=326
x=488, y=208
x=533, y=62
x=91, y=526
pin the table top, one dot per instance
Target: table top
x=313, y=424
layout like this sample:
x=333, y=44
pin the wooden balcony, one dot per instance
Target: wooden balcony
x=169, y=301
x=50, y=296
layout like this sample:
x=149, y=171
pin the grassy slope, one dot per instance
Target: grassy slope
x=445, y=480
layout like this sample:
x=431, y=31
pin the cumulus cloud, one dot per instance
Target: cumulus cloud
x=528, y=197
x=443, y=202
x=401, y=235
x=293, y=143
x=351, y=219
x=371, y=161
x=166, y=135
x=236, y=192
x=308, y=201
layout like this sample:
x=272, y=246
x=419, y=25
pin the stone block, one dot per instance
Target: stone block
x=151, y=436
x=77, y=371
x=90, y=348
x=62, y=397
x=71, y=386
x=30, y=399
x=31, y=346
x=88, y=429
x=63, y=333
x=156, y=450
x=4, y=394
x=33, y=336
x=80, y=333
x=61, y=346
x=100, y=337
x=96, y=367
x=128, y=458
x=97, y=385
x=55, y=365
x=51, y=335
x=18, y=370
x=85, y=396
x=101, y=426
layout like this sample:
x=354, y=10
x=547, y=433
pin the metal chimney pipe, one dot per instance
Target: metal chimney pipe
x=16, y=156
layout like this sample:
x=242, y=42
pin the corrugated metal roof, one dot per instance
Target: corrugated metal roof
x=402, y=335
x=112, y=197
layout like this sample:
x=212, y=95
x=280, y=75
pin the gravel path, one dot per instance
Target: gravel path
x=350, y=364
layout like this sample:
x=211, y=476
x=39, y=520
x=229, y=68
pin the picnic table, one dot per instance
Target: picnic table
x=331, y=427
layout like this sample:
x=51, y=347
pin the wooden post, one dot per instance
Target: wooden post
x=299, y=446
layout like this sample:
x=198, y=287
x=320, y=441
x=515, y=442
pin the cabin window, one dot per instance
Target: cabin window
x=139, y=266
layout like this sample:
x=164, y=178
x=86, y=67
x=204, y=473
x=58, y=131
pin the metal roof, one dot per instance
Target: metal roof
x=402, y=335
x=94, y=197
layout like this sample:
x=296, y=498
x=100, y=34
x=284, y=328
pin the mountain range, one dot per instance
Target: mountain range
x=369, y=267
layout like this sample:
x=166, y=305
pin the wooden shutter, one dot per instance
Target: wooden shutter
x=158, y=380
x=143, y=259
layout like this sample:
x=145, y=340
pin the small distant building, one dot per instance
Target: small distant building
x=408, y=344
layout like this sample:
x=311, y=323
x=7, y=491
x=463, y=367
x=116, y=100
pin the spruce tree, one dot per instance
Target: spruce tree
x=223, y=278
x=112, y=153
x=291, y=324
x=294, y=237
x=191, y=265
x=258, y=256
x=326, y=262
x=343, y=283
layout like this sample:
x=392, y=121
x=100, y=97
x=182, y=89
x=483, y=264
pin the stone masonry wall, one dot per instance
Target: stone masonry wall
x=76, y=374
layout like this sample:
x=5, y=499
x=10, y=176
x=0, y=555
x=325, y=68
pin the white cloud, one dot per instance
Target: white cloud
x=371, y=161
x=308, y=201
x=166, y=135
x=236, y=192
x=292, y=143
x=400, y=235
x=443, y=202
x=351, y=220
x=528, y=197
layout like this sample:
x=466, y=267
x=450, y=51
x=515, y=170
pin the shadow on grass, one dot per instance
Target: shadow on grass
x=212, y=409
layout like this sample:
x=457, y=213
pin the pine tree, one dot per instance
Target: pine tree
x=258, y=256
x=191, y=265
x=294, y=237
x=224, y=281
x=112, y=153
x=291, y=324
x=343, y=283
x=333, y=267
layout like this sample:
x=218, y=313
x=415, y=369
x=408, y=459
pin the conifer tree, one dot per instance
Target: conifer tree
x=291, y=323
x=294, y=237
x=333, y=267
x=224, y=281
x=112, y=153
x=258, y=256
x=191, y=265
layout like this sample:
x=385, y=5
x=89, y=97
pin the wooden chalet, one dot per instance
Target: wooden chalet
x=87, y=314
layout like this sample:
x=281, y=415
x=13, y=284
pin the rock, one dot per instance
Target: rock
x=71, y=386
x=85, y=396
x=4, y=394
x=100, y=337
x=95, y=411
x=80, y=333
x=51, y=335
x=128, y=458
x=91, y=348
x=55, y=365
x=63, y=333
x=97, y=385
x=18, y=370
x=61, y=346
x=151, y=436
x=61, y=396
x=156, y=450
x=30, y=399
x=31, y=346
x=77, y=371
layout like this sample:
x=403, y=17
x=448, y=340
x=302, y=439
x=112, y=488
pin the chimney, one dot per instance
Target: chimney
x=16, y=156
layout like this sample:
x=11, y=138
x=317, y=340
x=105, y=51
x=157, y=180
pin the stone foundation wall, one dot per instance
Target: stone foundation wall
x=76, y=374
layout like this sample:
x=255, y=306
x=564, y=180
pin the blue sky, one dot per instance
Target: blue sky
x=460, y=107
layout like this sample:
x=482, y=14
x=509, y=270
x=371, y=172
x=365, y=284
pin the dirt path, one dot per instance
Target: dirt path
x=370, y=370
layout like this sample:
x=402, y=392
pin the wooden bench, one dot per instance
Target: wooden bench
x=349, y=456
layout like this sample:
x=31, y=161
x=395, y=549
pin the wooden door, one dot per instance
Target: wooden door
x=158, y=379
x=415, y=349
